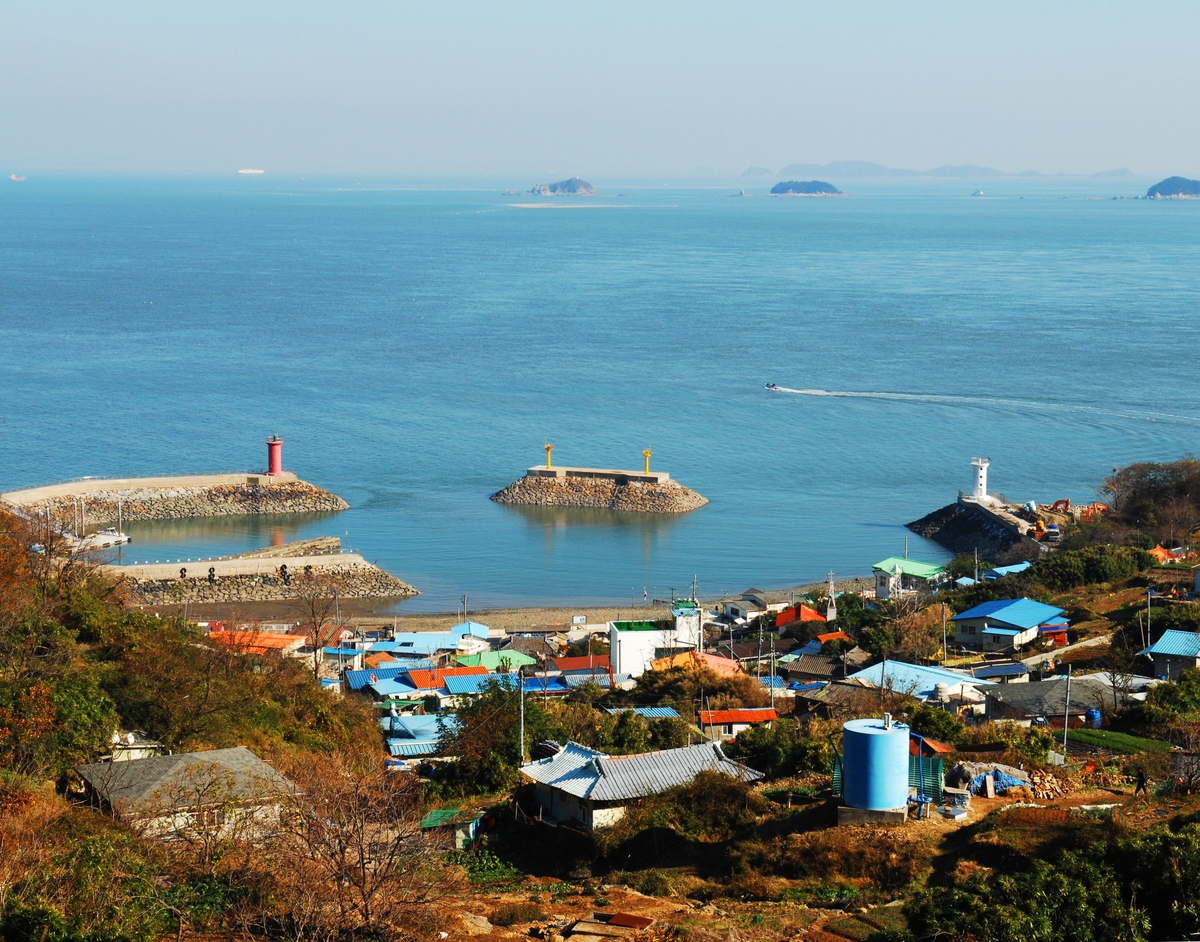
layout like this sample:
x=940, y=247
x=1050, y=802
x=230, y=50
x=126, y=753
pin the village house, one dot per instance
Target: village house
x=922, y=682
x=584, y=787
x=1006, y=624
x=227, y=789
x=1174, y=652
x=897, y=576
x=633, y=645
x=726, y=724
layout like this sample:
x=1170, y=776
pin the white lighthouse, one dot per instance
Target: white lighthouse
x=981, y=465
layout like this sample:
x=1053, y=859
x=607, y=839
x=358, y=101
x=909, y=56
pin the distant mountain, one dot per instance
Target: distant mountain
x=756, y=173
x=574, y=187
x=965, y=170
x=1174, y=187
x=844, y=168
x=805, y=188
x=1115, y=174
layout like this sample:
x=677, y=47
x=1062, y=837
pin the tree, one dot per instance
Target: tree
x=315, y=595
x=351, y=859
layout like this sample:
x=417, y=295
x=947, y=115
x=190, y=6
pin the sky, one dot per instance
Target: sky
x=604, y=90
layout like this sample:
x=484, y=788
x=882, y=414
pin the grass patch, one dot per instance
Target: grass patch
x=1118, y=742
x=512, y=914
x=485, y=869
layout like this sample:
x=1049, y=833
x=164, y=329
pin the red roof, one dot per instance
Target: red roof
x=431, y=680
x=834, y=636
x=797, y=613
x=745, y=715
x=581, y=663
x=932, y=746
x=256, y=642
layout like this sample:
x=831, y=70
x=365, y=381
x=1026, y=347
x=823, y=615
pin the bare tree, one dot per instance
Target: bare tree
x=351, y=857
x=315, y=593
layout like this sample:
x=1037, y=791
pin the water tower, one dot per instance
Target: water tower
x=874, y=772
x=980, y=465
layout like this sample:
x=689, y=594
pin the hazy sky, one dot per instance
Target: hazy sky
x=612, y=89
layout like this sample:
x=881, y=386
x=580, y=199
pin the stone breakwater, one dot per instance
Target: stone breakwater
x=351, y=581
x=666, y=497
x=171, y=503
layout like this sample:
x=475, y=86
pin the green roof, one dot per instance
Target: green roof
x=642, y=625
x=909, y=567
x=495, y=659
x=435, y=819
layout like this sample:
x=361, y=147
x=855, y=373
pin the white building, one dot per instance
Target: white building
x=634, y=644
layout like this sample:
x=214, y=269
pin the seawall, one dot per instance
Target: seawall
x=601, y=489
x=170, y=498
x=259, y=579
x=964, y=527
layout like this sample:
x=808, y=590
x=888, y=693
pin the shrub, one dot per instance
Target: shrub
x=784, y=748
x=511, y=914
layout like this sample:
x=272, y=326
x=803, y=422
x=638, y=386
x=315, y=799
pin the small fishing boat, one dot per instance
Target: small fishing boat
x=102, y=539
x=770, y=386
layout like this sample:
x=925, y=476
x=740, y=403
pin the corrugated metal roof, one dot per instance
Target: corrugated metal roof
x=909, y=567
x=1000, y=670
x=472, y=684
x=585, y=773
x=356, y=680
x=743, y=715
x=915, y=679
x=777, y=682
x=570, y=665
x=1176, y=643
x=649, y=713
x=600, y=680
x=410, y=747
x=1020, y=613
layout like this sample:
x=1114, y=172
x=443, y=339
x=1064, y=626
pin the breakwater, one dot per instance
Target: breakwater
x=965, y=527
x=258, y=578
x=600, y=489
x=172, y=498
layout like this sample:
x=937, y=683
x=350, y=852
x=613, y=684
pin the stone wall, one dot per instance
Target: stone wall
x=668, y=497
x=353, y=581
x=171, y=503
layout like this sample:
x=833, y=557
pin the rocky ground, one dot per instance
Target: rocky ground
x=216, y=500
x=962, y=528
x=668, y=497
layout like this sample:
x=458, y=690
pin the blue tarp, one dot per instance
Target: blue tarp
x=1003, y=782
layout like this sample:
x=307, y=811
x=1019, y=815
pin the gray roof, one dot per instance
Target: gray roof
x=1048, y=697
x=815, y=665
x=126, y=785
x=585, y=773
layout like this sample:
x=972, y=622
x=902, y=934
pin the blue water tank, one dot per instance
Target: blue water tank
x=875, y=765
x=1092, y=718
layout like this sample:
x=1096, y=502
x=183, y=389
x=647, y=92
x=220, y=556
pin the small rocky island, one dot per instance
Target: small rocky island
x=805, y=188
x=572, y=187
x=649, y=492
x=1174, y=188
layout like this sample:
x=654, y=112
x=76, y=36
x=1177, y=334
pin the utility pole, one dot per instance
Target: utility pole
x=977, y=564
x=521, y=693
x=945, y=653
x=1067, y=710
x=772, y=672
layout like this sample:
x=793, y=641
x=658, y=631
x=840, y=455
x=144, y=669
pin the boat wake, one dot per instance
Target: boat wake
x=991, y=402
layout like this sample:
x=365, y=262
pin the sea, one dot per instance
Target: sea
x=416, y=344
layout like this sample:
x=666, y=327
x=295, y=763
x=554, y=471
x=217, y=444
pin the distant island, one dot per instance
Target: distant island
x=805, y=188
x=1174, y=188
x=574, y=187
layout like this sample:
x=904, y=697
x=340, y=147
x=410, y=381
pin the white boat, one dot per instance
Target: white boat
x=102, y=539
x=251, y=170
x=15, y=178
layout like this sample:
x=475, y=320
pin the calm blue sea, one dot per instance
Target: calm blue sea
x=417, y=347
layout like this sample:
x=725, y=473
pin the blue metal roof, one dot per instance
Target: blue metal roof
x=390, y=688
x=1177, y=643
x=649, y=713
x=916, y=679
x=343, y=652
x=539, y=684
x=1000, y=670
x=777, y=682
x=999, y=572
x=471, y=684
x=472, y=628
x=1006, y=632
x=356, y=680
x=1019, y=613
x=600, y=680
x=809, y=687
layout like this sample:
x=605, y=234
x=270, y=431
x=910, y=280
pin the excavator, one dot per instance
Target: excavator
x=1093, y=511
x=1061, y=506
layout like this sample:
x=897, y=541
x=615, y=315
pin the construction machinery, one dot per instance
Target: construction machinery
x=1061, y=506
x=1093, y=511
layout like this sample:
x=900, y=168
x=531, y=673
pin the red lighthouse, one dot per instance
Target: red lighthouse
x=274, y=455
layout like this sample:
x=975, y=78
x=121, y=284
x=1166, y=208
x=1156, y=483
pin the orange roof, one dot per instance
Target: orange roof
x=256, y=642
x=746, y=715
x=431, y=680
x=581, y=663
x=694, y=659
x=378, y=659
x=932, y=747
x=834, y=636
x=1162, y=555
x=800, y=612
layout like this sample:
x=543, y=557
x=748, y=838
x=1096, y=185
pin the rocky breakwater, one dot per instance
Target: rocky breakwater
x=255, y=577
x=191, y=500
x=602, y=493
